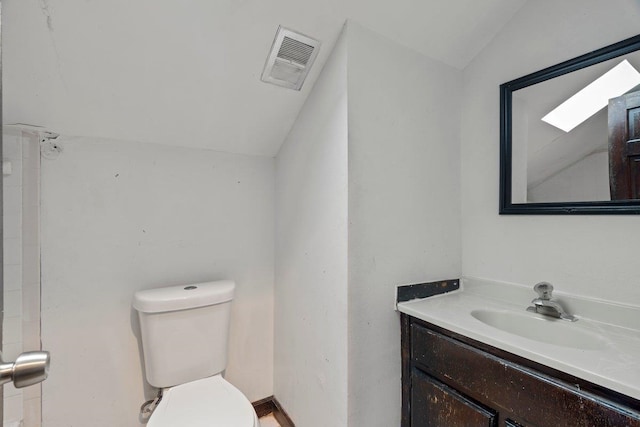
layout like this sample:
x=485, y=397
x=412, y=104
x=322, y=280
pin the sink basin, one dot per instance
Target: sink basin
x=551, y=331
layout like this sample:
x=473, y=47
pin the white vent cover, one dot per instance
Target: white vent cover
x=290, y=59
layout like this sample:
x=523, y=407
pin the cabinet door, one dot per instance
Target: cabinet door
x=434, y=404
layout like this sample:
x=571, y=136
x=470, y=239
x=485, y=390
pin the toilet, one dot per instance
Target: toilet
x=185, y=331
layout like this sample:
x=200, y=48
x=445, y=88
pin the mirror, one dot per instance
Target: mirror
x=570, y=136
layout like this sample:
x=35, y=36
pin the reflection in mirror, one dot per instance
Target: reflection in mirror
x=560, y=134
x=570, y=136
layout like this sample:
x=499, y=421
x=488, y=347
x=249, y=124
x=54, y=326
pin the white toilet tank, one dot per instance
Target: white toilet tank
x=185, y=331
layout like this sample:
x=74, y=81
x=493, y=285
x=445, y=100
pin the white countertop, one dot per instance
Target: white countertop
x=615, y=364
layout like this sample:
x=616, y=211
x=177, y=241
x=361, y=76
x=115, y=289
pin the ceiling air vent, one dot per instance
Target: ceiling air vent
x=290, y=59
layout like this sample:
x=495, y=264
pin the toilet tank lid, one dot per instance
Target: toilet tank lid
x=183, y=297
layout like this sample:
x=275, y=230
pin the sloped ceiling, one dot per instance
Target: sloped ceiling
x=188, y=73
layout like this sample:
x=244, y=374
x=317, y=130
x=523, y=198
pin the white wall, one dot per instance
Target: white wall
x=310, y=378
x=122, y=216
x=585, y=180
x=587, y=255
x=404, y=204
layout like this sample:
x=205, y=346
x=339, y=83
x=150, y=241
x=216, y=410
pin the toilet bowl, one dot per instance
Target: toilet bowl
x=209, y=402
x=185, y=331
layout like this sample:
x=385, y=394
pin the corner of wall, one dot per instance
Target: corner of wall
x=310, y=351
x=404, y=204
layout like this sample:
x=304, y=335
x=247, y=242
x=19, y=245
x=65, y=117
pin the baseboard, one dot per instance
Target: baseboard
x=264, y=406
x=270, y=405
x=282, y=416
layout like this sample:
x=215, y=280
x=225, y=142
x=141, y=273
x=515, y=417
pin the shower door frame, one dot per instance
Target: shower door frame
x=1, y=228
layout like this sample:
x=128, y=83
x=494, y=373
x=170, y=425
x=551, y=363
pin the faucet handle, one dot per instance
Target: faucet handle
x=544, y=290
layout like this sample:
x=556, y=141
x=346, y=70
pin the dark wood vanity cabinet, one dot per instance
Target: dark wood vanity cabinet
x=434, y=404
x=452, y=381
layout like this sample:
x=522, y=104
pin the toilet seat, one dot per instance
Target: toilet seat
x=209, y=402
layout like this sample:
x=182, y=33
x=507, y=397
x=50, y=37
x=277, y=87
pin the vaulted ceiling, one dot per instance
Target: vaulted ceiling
x=188, y=73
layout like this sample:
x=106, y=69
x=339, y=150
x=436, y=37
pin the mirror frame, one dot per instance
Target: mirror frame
x=506, y=90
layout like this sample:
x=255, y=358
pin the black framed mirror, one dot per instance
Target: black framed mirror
x=570, y=136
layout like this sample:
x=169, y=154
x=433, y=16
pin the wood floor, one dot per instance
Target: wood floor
x=269, y=421
x=270, y=410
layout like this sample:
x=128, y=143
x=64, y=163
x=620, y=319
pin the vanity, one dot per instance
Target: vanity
x=476, y=357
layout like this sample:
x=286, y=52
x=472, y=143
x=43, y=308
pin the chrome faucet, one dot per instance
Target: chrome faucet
x=545, y=305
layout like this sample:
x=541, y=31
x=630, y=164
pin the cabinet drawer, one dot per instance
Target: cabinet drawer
x=538, y=400
x=433, y=404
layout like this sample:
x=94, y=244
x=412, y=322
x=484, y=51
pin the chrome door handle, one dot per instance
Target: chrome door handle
x=29, y=368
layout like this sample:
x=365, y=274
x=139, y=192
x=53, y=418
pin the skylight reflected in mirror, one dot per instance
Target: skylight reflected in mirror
x=594, y=97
